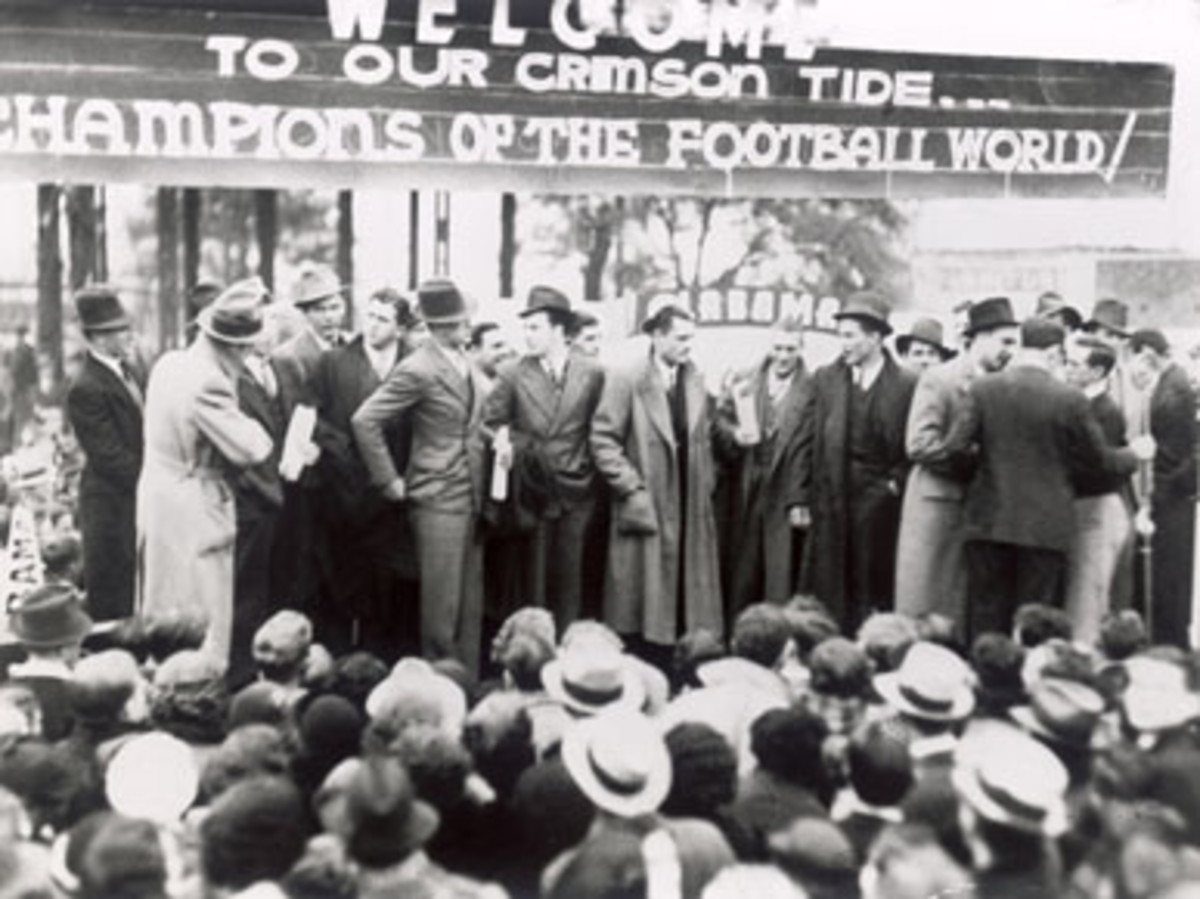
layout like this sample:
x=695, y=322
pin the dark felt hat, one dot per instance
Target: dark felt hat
x=442, y=303
x=1051, y=305
x=927, y=331
x=387, y=820
x=100, y=309
x=1110, y=314
x=236, y=316
x=316, y=283
x=52, y=615
x=1041, y=333
x=545, y=299
x=868, y=306
x=994, y=312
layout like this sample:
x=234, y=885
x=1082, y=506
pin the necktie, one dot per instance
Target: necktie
x=678, y=400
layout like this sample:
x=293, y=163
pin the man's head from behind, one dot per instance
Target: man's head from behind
x=762, y=634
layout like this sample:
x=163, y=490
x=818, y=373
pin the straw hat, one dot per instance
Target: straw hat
x=620, y=761
x=932, y=683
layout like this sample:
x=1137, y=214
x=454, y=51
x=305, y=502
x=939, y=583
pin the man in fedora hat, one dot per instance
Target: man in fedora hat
x=196, y=437
x=104, y=407
x=931, y=574
x=439, y=390
x=764, y=457
x=1052, y=306
x=854, y=465
x=319, y=295
x=547, y=399
x=1037, y=438
x=651, y=442
x=923, y=347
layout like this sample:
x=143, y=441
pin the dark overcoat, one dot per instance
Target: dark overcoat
x=851, y=553
x=106, y=416
x=634, y=446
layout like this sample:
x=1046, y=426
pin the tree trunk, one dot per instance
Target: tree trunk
x=192, y=208
x=345, y=247
x=602, y=241
x=101, y=233
x=414, y=239
x=81, y=234
x=508, y=244
x=266, y=222
x=169, y=331
x=50, y=278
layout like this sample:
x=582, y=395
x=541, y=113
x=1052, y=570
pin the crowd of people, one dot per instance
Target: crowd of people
x=411, y=614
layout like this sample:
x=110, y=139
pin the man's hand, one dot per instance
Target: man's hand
x=800, y=517
x=745, y=437
x=1143, y=524
x=1143, y=447
x=396, y=491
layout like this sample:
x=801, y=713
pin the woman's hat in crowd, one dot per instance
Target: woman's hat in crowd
x=100, y=309
x=235, y=317
x=386, y=820
x=619, y=760
x=1062, y=711
x=1110, y=314
x=927, y=331
x=590, y=675
x=49, y=616
x=932, y=683
x=414, y=693
x=986, y=315
x=1157, y=696
x=152, y=776
x=1051, y=305
x=545, y=299
x=869, y=306
x=1011, y=779
x=316, y=283
x=442, y=303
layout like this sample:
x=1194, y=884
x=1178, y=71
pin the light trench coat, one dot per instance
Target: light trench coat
x=186, y=525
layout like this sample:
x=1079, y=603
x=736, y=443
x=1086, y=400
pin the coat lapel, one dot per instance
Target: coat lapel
x=446, y=373
x=115, y=385
x=654, y=397
x=537, y=387
x=697, y=396
x=788, y=420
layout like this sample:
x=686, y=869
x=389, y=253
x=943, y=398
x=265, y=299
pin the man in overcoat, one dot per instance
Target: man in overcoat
x=440, y=391
x=1170, y=419
x=652, y=442
x=1037, y=439
x=195, y=435
x=547, y=399
x=931, y=573
x=374, y=587
x=104, y=407
x=764, y=456
x=853, y=465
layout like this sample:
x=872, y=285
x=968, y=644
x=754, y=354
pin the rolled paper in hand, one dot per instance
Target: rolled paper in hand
x=502, y=444
x=747, y=414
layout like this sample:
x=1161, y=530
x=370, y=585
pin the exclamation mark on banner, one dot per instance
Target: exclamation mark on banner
x=1114, y=164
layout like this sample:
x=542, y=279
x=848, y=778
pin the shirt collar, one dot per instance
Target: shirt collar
x=112, y=363
x=870, y=371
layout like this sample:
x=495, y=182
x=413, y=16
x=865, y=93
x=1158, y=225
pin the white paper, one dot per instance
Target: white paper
x=298, y=442
x=502, y=444
x=747, y=414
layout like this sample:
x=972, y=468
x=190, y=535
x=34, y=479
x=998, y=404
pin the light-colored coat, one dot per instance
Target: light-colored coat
x=633, y=444
x=195, y=436
x=931, y=574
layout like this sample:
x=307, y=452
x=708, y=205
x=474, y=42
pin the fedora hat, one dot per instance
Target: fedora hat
x=1009, y=778
x=620, y=761
x=386, y=820
x=869, y=306
x=662, y=309
x=1051, y=305
x=100, y=309
x=994, y=312
x=590, y=675
x=316, y=283
x=235, y=316
x=931, y=683
x=545, y=299
x=1157, y=696
x=1110, y=314
x=49, y=616
x=1062, y=711
x=927, y=331
x=442, y=303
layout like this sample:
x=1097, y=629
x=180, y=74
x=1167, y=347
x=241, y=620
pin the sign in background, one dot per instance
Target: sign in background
x=227, y=99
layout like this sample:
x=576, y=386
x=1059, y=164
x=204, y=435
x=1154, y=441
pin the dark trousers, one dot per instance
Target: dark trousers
x=109, y=554
x=1171, y=566
x=1002, y=576
x=252, y=603
x=554, y=559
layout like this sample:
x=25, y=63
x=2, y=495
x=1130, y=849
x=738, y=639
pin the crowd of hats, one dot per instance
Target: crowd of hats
x=794, y=761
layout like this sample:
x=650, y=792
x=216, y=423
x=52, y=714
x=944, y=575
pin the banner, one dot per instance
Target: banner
x=733, y=105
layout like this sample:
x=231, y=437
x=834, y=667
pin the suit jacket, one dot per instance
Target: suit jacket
x=445, y=466
x=295, y=361
x=554, y=421
x=1037, y=440
x=1173, y=427
x=259, y=488
x=107, y=420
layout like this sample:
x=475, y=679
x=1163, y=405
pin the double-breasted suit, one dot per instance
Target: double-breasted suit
x=295, y=362
x=443, y=486
x=105, y=412
x=195, y=432
x=654, y=577
x=549, y=422
x=853, y=469
x=931, y=573
x=766, y=483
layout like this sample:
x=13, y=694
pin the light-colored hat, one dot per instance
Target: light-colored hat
x=932, y=683
x=236, y=315
x=620, y=761
x=1062, y=711
x=285, y=637
x=1157, y=697
x=414, y=693
x=152, y=776
x=1009, y=778
x=589, y=675
x=316, y=283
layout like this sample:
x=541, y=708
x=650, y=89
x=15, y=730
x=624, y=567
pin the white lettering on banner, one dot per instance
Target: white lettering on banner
x=757, y=306
x=356, y=19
